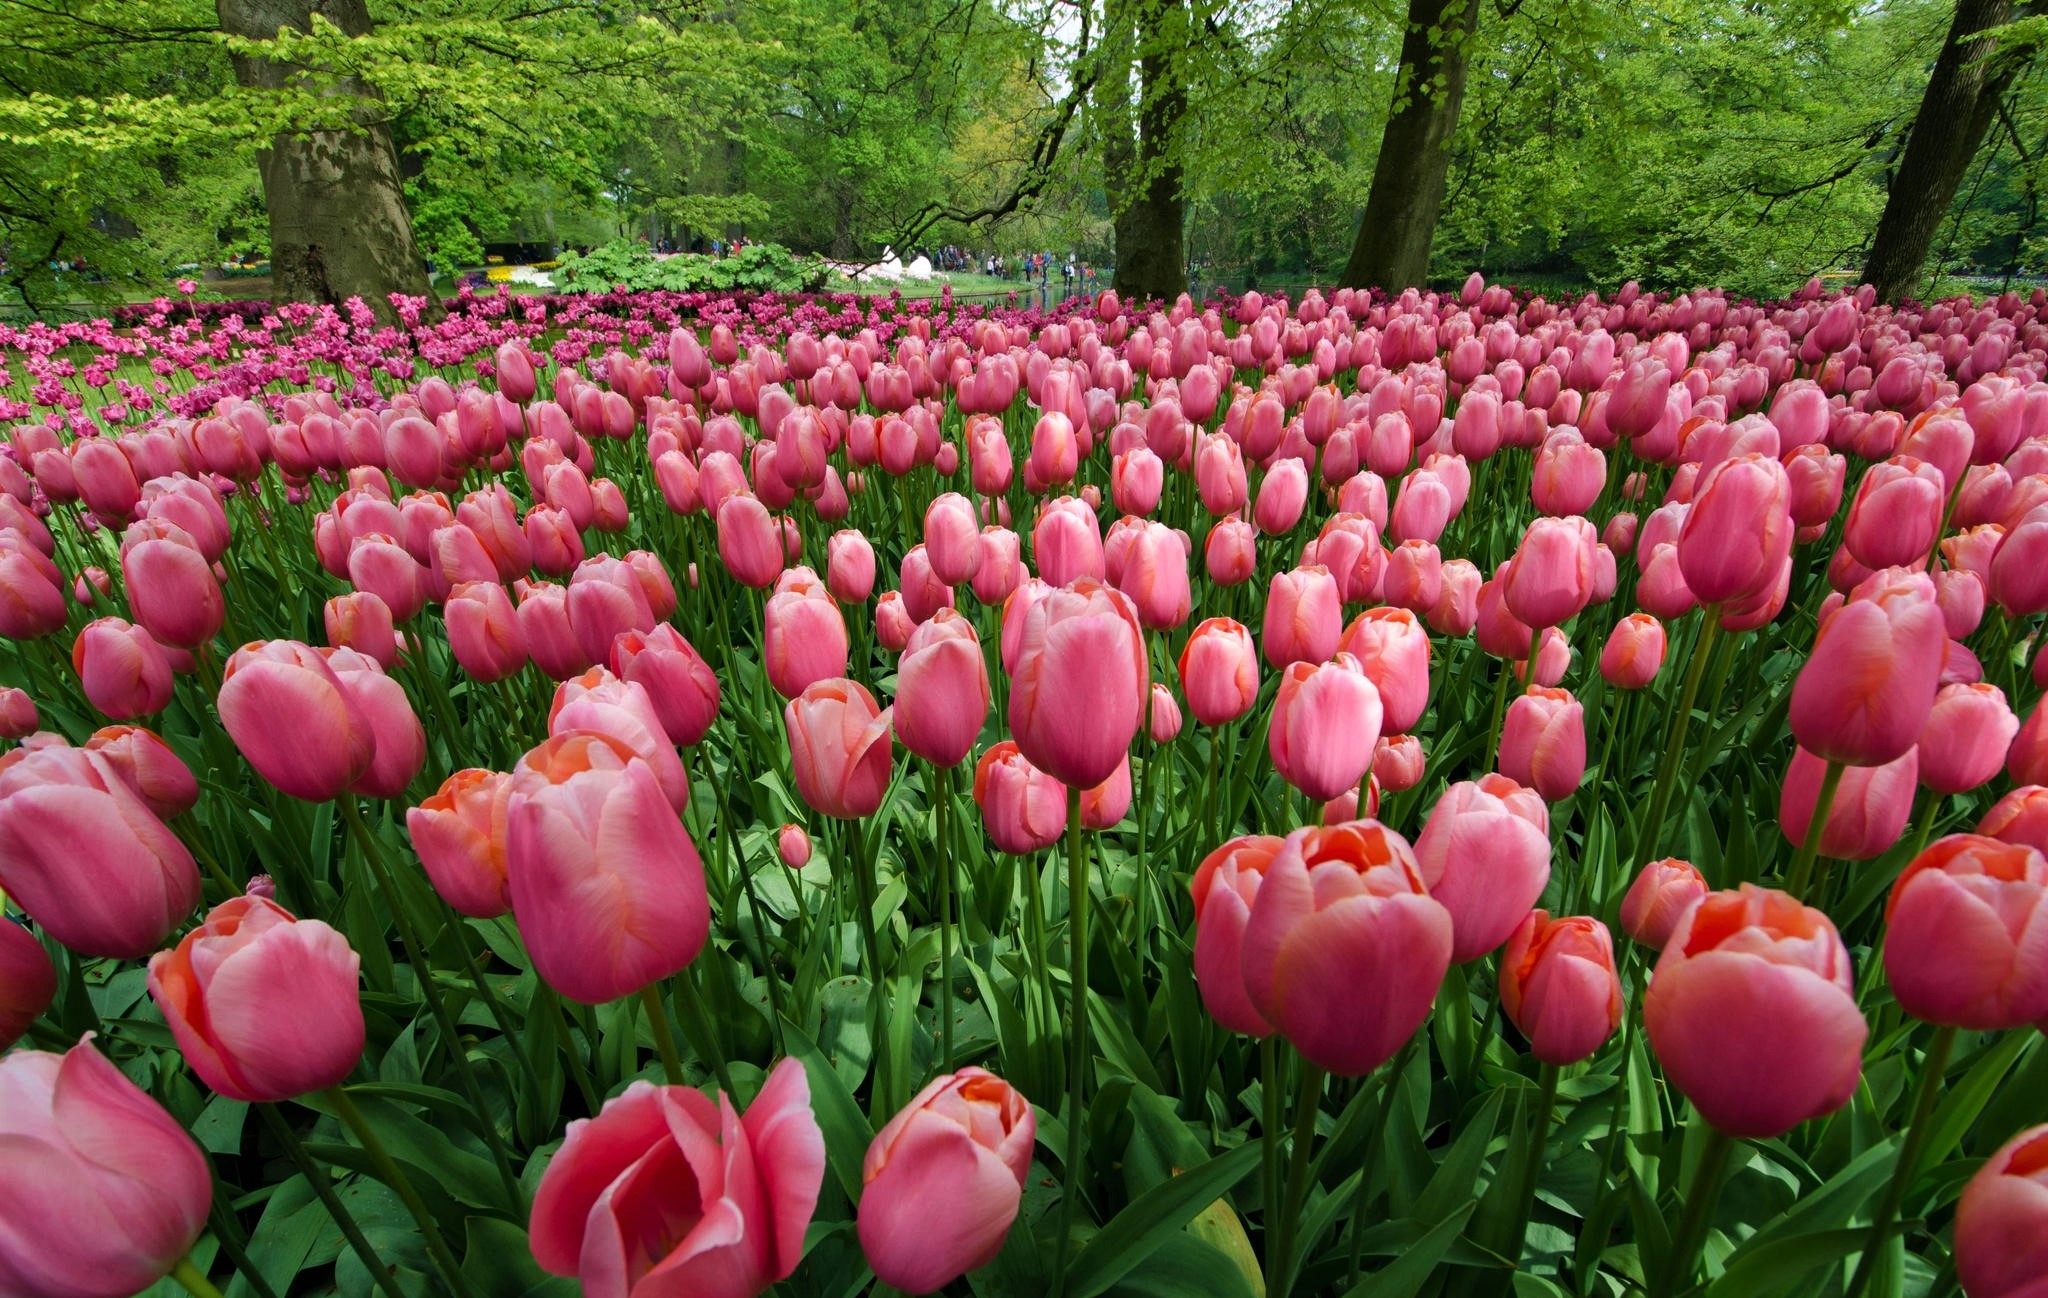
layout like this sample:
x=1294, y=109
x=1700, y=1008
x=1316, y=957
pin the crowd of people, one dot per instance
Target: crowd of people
x=1074, y=274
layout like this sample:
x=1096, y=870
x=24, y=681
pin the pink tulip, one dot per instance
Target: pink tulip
x=1634, y=652
x=804, y=636
x=1558, y=986
x=892, y=622
x=361, y=621
x=849, y=567
x=1303, y=618
x=1895, y=514
x=942, y=690
x=543, y=614
x=485, y=633
x=1079, y=683
x=1281, y=497
x=28, y=982
x=749, y=543
x=1752, y=1013
x=1456, y=610
x=1552, y=576
x=1339, y=909
x=2001, y=1234
x=170, y=584
x=122, y=669
x=952, y=539
x=1864, y=694
x=459, y=836
x=2019, y=817
x=1163, y=716
x=606, y=886
x=1869, y=813
x=751, y=1184
x=288, y=712
x=1658, y=899
x=1219, y=671
x=679, y=683
x=1024, y=809
x=1325, y=724
x=18, y=715
x=622, y=710
x=1965, y=740
x=839, y=743
x=1392, y=650
x=1966, y=934
x=1485, y=855
x=1738, y=531
x=1229, y=553
x=217, y=989
x=105, y=1191
x=1543, y=743
x=944, y=1180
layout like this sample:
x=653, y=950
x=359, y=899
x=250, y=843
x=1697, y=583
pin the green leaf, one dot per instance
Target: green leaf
x=1753, y=1272
x=847, y=1133
x=1185, y=1267
x=1154, y=1217
x=1408, y=1272
x=498, y=1261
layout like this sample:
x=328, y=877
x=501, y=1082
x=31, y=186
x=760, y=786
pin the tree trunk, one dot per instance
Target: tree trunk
x=1392, y=247
x=1956, y=111
x=1151, y=258
x=339, y=226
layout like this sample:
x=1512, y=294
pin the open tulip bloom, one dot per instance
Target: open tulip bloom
x=689, y=793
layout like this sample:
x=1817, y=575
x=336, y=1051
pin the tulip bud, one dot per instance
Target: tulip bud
x=1558, y=986
x=1023, y=808
x=1966, y=934
x=1658, y=899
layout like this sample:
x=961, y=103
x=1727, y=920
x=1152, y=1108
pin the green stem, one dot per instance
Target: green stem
x=323, y=1189
x=1388, y=1081
x=864, y=889
x=1917, y=1131
x=943, y=812
x=193, y=1279
x=1308, y=1100
x=690, y=1004
x=1801, y=873
x=1928, y=815
x=1647, y=844
x=664, y=1039
x=1269, y=1134
x=1077, y=1068
x=394, y=1176
x=578, y=1073
x=373, y=854
x=1499, y=717
x=1679, y=1266
x=1539, y=1136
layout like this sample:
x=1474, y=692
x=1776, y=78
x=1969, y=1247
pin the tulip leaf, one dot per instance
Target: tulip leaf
x=498, y=1261
x=1966, y=1098
x=1184, y=1266
x=1781, y=1263
x=1407, y=1273
x=1144, y=1226
x=845, y=1127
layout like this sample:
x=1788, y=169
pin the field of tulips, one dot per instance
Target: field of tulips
x=674, y=795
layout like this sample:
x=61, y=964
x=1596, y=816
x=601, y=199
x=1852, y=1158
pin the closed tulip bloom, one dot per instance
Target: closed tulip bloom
x=922, y=592
x=1065, y=543
x=1634, y=652
x=400, y=741
x=2001, y=1235
x=1567, y=477
x=803, y=640
x=793, y=845
x=1281, y=497
x=104, y=478
x=1551, y=578
x=1966, y=934
x=1080, y=683
x=1485, y=854
x=952, y=539
x=543, y=614
x=1219, y=671
x=170, y=584
x=1344, y=908
x=2019, y=817
x=1002, y=570
x=749, y=542
x=942, y=690
x=18, y=715
x=892, y=622
x=606, y=598
x=606, y=886
x=1961, y=596
x=1422, y=507
x=622, y=710
x=1456, y=610
x=1392, y=650
x=1225, y=886
x=1398, y=763
x=288, y=713
x=1658, y=899
x=218, y=990
x=943, y=1181
x=484, y=631
x=1055, y=454
x=1752, y=1013
x=1155, y=577
x=1325, y=725
x=1163, y=718
x=459, y=836
x=1414, y=577
x=122, y=669
x=380, y=565
x=2027, y=759
x=1558, y=986
x=1864, y=694
x=1738, y=531
x=361, y=621
x=556, y=543
x=849, y=566
x=105, y=1191
x=1023, y=808
x=1500, y=632
x=2018, y=571
x=86, y=858
x=751, y=1185
x=1967, y=734
x=679, y=683
x=1230, y=552
x=1817, y=476
x=1869, y=813
x=28, y=982
x=1136, y=479
x=1304, y=617
x=146, y=764
x=839, y=748
x=31, y=593
x=493, y=518
x=456, y=555
x=1220, y=476
x=1895, y=514
x=1543, y=742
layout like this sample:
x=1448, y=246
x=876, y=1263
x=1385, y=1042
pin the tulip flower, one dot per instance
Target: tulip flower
x=804, y=636
x=680, y=685
x=28, y=982
x=1325, y=724
x=1303, y=619
x=1738, y=531
x=122, y=669
x=1558, y=986
x=1230, y=552
x=1344, y=908
x=1543, y=742
x=2001, y=1235
x=1634, y=652
x=1551, y=577
x=793, y=845
x=943, y=1181
x=1863, y=696
x=459, y=835
x=839, y=748
x=1752, y=1013
x=1896, y=513
x=146, y=764
x=1162, y=717
x=1484, y=854
x=105, y=1191
x=2019, y=817
x=1658, y=899
x=1023, y=808
x=606, y=886
x=1392, y=650
x=1155, y=577
x=751, y=1184
x=749, y=543
x=624, y=710
x=1219, y=671
x=1869, y=811
x=1225, y=886
x=400, y=743
x=170, y=584
x=942, y=690
x=217, y=990
x=1966, y=934
x=18, y=715
x=286, y=710
x=1079, y=683
x=952, y=539
x=485, y=633
x=1966, y=737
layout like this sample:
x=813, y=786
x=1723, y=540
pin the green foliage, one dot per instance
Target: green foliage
x=623, y=263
